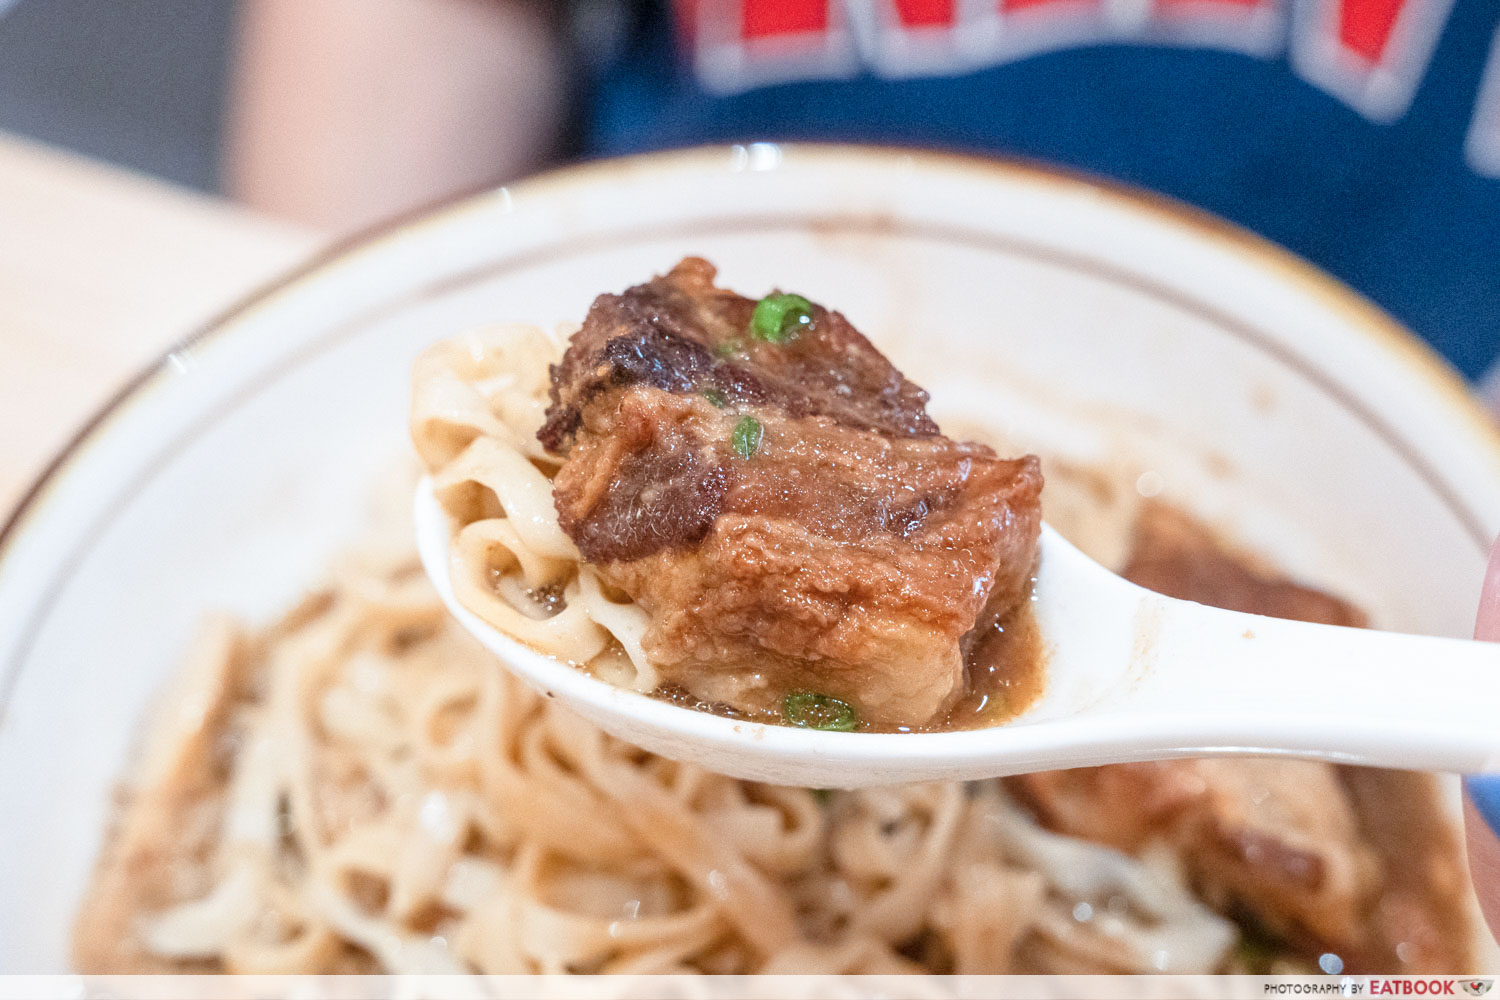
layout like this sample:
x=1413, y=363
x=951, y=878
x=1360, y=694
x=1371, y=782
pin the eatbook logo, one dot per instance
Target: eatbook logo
x=1478, y=987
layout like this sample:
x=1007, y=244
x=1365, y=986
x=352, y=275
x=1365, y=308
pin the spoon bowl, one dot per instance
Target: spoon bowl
x=1130, y=675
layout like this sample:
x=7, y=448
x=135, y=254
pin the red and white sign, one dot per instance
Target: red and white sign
x=1370, y=53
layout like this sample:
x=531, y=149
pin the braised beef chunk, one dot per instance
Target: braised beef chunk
x=785, y=510
x=1277, y=840
x=1308, y=853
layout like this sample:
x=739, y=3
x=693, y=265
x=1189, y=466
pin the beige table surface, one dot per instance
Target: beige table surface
x=100, y=270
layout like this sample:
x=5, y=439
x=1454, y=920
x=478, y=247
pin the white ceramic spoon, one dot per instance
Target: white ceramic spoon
x=1130, y=675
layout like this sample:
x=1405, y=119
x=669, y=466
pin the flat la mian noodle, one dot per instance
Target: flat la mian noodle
x=359, y=787
x=477, y=401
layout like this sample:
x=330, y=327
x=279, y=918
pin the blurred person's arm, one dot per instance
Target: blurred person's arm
x=346, y=111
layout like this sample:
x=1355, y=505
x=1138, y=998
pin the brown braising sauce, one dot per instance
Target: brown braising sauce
x=1003, y=674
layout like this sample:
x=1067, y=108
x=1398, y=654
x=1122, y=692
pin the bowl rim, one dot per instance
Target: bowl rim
x=1399, y=343
x=1386, y=332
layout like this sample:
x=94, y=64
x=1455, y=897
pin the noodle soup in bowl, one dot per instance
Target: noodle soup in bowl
x=1147, y=354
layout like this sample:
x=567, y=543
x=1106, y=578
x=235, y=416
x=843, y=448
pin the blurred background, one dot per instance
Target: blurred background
x=158, y=158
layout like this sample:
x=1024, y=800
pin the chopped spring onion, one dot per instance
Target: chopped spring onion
x=811, y=710
x=779, y=317
x=715, y=397
x=747, y=434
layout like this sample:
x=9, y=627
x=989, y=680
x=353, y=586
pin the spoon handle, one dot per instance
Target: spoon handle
x=1233, y=682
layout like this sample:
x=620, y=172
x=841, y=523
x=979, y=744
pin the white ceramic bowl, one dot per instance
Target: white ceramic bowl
x=1101, y=328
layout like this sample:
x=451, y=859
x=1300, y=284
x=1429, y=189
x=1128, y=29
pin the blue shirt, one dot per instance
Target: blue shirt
x=1362, y=134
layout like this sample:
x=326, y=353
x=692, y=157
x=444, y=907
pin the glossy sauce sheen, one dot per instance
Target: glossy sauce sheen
x=1003, y=674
